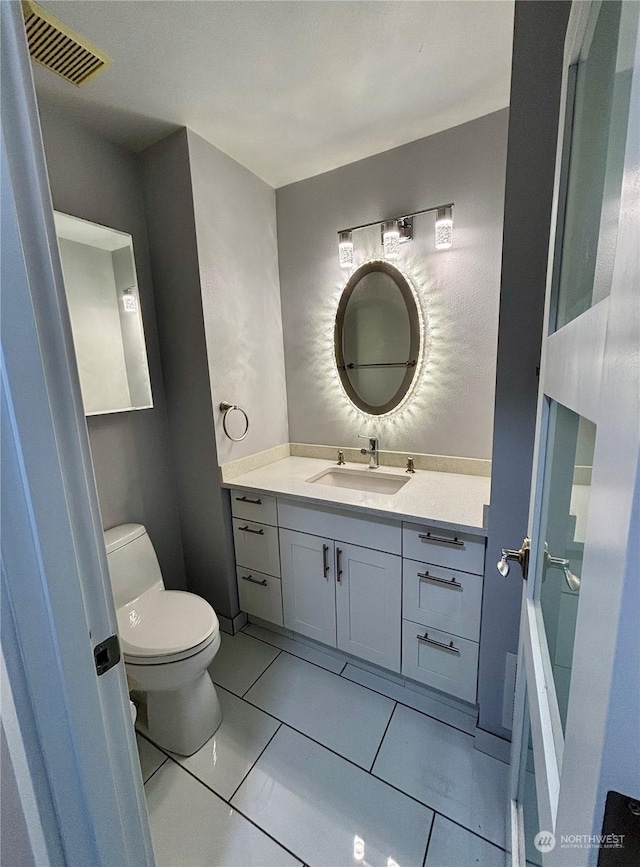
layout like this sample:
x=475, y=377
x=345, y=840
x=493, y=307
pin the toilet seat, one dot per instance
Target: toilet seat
x=165, y=626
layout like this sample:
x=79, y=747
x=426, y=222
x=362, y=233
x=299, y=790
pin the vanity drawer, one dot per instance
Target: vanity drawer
x=443, y=661
x=260, y=595
x=256, y=546
x=367, y=532
x=443, y=547
x=442, y=598
x=254, y=507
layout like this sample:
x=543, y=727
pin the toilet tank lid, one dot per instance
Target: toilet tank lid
x=118, y=537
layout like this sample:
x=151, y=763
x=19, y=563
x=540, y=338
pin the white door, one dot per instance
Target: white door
x=368, y=604
x=576, y=721
x=308, y=585
x=72, y=722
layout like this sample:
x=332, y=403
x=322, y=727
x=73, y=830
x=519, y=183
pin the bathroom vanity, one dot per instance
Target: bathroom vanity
x=392, y=579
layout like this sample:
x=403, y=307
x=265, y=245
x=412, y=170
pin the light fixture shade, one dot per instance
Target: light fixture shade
x=391, y=239
x=129, y=301
x=345, y=249
x=444, y=229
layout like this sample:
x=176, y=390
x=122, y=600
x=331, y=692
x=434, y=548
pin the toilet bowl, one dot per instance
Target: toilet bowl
x=168, y=640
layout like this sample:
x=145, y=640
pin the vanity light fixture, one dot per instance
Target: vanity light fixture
x=444, y=228
x=397, y=231
x=129, y=301
x=345, y=249
x=391, y=239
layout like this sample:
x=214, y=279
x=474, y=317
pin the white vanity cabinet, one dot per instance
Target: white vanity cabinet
x=368, y=604
x=404, y=596
x=255, y=536
x=441, y=606
x=343, y=595
x=308, y=585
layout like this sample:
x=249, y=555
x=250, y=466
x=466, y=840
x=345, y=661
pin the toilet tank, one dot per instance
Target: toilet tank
x=133, y=565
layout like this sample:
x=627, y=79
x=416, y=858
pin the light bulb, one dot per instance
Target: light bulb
x=444, y=229
x=129, y=301
x=345, y=249
x=391, y=239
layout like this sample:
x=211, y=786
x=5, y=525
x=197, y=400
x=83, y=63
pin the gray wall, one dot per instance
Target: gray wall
x=451, y=412
x=533, y=126
x=204, y=507
x=235, y=224
x=98, y=181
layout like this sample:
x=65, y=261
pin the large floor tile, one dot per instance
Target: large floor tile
x=240, y=661
x=150, y=757
x=453, y=846
x=466, y=722
x=329, y=812
x=341, y=715
x=192, y=827
x=224, y=761
x=296, y=648
x=439, y=766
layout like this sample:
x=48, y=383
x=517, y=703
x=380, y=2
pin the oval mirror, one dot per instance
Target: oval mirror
x=377, y=337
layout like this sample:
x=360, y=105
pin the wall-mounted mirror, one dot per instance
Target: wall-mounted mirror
x=102, y=292
x=377, y=337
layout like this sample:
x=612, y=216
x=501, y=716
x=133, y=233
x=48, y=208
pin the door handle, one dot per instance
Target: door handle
x=339, y=565
x=521, y=556
x=562, y=563
x=325, y=560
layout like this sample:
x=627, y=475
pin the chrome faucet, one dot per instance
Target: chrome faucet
x=372, y=451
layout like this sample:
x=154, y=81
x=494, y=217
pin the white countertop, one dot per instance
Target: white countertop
x=449, y=500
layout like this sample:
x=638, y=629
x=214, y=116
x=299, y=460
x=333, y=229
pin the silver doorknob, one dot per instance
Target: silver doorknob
x=521, y=556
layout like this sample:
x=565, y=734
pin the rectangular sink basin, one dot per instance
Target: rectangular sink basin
x=360, y=480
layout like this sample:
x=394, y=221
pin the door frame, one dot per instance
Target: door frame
x=572, y=790
x=76, y=727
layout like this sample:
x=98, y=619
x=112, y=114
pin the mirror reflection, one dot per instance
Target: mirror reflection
x=377, y=337
x=102, y=293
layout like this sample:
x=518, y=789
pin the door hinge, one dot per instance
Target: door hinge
x=106, y=654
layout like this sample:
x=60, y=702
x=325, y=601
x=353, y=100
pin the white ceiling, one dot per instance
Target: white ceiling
x=288, y=89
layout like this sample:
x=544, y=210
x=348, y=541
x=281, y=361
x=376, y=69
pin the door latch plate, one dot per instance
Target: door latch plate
x=106, y=654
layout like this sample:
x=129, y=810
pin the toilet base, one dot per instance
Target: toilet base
x=180, y=720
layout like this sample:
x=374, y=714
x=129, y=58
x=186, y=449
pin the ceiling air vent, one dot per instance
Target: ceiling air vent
x=59, y=48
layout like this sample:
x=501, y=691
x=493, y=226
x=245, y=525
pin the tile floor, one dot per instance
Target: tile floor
x=310, y=767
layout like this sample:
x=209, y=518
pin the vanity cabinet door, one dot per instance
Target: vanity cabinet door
x=308, y=585
x=368, y=602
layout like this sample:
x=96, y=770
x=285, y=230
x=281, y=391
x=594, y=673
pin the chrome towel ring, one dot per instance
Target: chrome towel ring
x=226, y=408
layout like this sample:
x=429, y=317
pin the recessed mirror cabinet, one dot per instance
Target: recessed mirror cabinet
x=106, y=320
x=377, y=337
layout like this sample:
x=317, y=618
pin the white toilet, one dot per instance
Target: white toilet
x=168, y=639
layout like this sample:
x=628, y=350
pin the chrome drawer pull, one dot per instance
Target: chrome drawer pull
x=247, y=500
x=450, y=647
x=249, y=530
x=445, y=581
x=427, y=537
x=253, y=580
